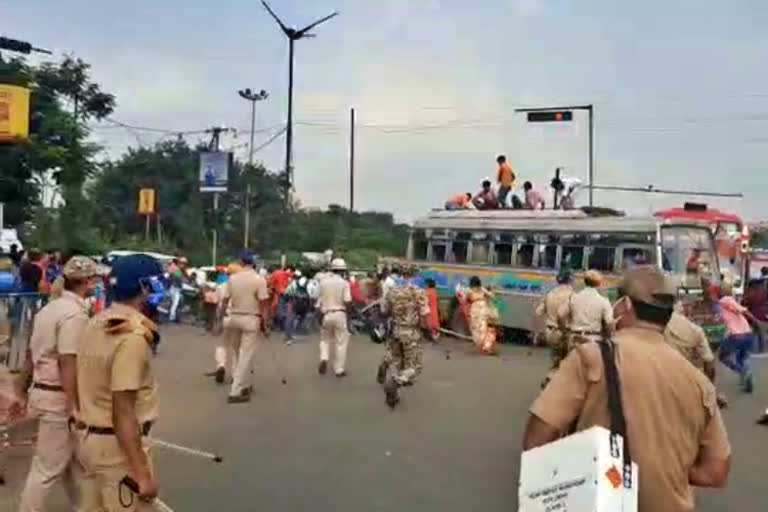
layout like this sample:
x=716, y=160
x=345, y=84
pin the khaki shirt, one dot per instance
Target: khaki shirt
x=587, y=311
x=670, y=408
x=57, y=330
x=115, y=355
x=245, y=290
x=334, y=294
x=551, y=304
x=689, y=339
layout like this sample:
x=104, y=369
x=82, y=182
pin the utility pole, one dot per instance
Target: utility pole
x=352, y=159
x=248, y=95
x=293, y=35
x=564, y=114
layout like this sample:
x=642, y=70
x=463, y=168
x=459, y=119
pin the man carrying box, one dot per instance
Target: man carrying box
x=670, y=406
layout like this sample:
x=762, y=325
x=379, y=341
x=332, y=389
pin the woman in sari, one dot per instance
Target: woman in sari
x=480, y=310
x=433, y=319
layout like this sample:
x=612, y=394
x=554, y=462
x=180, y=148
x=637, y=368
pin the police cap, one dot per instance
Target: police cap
x=130, y=273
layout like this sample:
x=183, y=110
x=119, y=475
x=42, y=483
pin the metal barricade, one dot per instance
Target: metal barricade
x=17, y=311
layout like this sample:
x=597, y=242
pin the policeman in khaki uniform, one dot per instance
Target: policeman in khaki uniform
x=672, y=417
x=246, y=300
x=334, y=296
x=549, y=308
x=118, y=393
x=587, y=314
x=57, y=332
x=408, y=306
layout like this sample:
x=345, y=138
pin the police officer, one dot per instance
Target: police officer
x=587, y=314
x=57, y=331
x=334, y=296
x=408, y=306
x=246, y=300
x=549, y=308
x=671, y=413
x=118, y=393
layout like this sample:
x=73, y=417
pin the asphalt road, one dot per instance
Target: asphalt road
x=322, y=443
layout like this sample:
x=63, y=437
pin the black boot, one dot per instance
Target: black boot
x=381, y=374
x=390, y=390
x=322, y=368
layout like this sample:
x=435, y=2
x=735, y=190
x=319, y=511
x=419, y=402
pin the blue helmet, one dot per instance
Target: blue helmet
x=131, y=274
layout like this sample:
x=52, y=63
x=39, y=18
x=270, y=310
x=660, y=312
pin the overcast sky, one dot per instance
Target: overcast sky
x=680, y=88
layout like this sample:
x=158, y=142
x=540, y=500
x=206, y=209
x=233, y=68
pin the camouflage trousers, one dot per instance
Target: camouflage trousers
x=403, y=354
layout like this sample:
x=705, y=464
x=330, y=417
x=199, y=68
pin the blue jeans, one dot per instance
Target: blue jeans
x=735, y=352
x=175, y=293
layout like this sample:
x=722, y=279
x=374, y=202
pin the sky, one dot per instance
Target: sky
x=680, y=90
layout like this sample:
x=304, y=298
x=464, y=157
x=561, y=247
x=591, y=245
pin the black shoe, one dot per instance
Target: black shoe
x=763, y=420
x=381, y=374
x=248, y=391
x=342, y=374
x=323, y=368
x=239, y=399
x=219, y=375
x=390, y=390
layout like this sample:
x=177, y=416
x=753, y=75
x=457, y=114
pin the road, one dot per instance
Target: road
x=322, y=443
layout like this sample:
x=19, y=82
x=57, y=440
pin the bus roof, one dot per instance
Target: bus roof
x=707, y=215
x=534, y=220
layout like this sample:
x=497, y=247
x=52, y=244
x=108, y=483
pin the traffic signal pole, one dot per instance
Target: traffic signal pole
x=563, y=114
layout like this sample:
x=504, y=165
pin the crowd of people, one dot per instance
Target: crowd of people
x=501, y=196
x=94, y=391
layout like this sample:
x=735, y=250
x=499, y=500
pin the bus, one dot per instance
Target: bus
x=518, y=253
x=731, y=238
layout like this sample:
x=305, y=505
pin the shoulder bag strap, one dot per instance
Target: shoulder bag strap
x=616, y=408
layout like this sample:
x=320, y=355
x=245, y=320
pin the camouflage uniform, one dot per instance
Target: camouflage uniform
x=406, y=305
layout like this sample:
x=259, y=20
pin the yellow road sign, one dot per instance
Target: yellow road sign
x=146, y=201
x=14, y=113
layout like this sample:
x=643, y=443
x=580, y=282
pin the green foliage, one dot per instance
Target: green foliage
x=187, y=217
x=57, y=142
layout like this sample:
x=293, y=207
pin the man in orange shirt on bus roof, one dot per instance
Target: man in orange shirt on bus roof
x=459, y=202
x=505, y=177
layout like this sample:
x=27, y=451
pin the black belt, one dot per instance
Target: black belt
x=586, y=333
x=110, y=431
x=241, y=313
x=334, y=311
x=47, y=387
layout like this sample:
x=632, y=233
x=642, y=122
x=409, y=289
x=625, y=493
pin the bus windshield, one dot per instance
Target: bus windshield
x=688, y=255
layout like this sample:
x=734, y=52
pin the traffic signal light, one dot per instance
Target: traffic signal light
x=15, y=45
x=550, y=116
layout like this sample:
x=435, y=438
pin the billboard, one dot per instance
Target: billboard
x=14, y=113
x=214, y=170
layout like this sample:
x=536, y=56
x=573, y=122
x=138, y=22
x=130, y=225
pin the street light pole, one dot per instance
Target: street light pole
x=248, y=95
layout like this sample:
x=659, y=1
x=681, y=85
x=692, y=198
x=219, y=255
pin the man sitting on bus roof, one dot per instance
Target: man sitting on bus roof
x=459, y=202
x=486, y=199
x=533, y=199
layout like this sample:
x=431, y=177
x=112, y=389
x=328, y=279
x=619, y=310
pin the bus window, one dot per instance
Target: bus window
x=634, y=256
x=503, y=250
x=547, y=251
x=689, y=255
x=481, y=244
x=573, y=252
x=525, y=248
x=420, y=245
x=438, y=252
x=601, y=258
x=460, y=247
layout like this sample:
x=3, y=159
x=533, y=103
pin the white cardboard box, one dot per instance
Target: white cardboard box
x=576, y=474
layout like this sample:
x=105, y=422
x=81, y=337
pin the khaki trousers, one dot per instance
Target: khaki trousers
x=243, y=336
x=334, y=329
x=54, y=460
x=105, y=466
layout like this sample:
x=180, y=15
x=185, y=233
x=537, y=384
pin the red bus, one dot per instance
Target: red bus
x=731, y=237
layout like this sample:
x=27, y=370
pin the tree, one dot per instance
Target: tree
x=57, y=142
